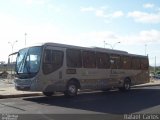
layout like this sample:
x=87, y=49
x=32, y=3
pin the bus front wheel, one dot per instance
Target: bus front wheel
x=48, y=94
x=72, y=89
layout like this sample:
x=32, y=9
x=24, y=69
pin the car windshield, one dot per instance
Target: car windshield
x=28, y=60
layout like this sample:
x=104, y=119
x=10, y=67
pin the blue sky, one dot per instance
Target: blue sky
x=83, y=23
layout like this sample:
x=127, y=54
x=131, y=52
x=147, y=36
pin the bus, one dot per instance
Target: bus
x=54, y=67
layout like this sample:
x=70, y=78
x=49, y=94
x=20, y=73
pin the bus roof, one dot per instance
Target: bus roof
x=98, y=49
x=86, y=48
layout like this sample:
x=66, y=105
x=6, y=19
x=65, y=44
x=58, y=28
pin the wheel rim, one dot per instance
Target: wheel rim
x=72, y=89
x=127, y=86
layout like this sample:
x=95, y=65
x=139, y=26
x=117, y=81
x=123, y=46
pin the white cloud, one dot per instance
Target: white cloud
x=100, y=35
x=87, y=9
x=151, y=36
x=37, y=2
x=144, y=36
x=57, y=9
x=29, y=2
x=145, y=17
x=102, y=12
x=118, y=14
x=148, y=5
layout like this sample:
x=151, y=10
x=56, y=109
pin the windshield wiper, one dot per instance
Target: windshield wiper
x=21, y=65
x=27, y=64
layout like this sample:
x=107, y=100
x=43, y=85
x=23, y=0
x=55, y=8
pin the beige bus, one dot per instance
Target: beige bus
x=53, y=67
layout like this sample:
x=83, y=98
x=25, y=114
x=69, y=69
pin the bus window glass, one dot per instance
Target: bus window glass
x=135, y=63
x=28, y=61
x=102, y=60
x=74, y=58
x=126, y=62
x=89, y=60
x=57, y=59
x=47, y=57
x=144, y=64
x=115, y=61
x=53, y=60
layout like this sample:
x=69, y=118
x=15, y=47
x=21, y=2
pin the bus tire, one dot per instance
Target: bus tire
x=48, y=94
x=72, y=89
x=106, y=90
x=126, y=85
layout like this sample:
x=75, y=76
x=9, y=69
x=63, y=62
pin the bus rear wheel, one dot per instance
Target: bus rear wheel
x=126, y=85
x=48, y=94
x=72, y=89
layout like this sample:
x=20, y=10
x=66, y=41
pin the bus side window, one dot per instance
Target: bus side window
x=89, y=59
x=115, y=61
x=57, y=59
x=47, y=61
x=53, y=60
x=144, y=64
x=47, y=56
x=136, y=63
x=102, y=60
x=126, y=62
x=74, y=58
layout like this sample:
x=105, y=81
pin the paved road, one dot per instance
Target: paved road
x=112, y=104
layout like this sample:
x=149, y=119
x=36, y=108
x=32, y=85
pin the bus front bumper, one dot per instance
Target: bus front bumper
x=24, y=85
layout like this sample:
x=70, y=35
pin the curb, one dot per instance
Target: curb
x=150, y=85
x=20, y=95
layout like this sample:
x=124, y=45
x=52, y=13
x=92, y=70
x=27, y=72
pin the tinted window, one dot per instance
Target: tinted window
x=48, y=57
x=102, y=60
x=135, y=63
x=89, y=59
x=74, y=58
x=53, y=60
x=115, y=61
x=126, y=62
x=144, y=64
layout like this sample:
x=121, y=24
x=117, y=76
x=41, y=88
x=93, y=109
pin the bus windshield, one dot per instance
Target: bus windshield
x=28, y=60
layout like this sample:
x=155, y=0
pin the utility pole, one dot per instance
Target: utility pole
x=104, y=43
x=12, y=45
x=155, y=66
x=111, y=45
x=145, y=49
